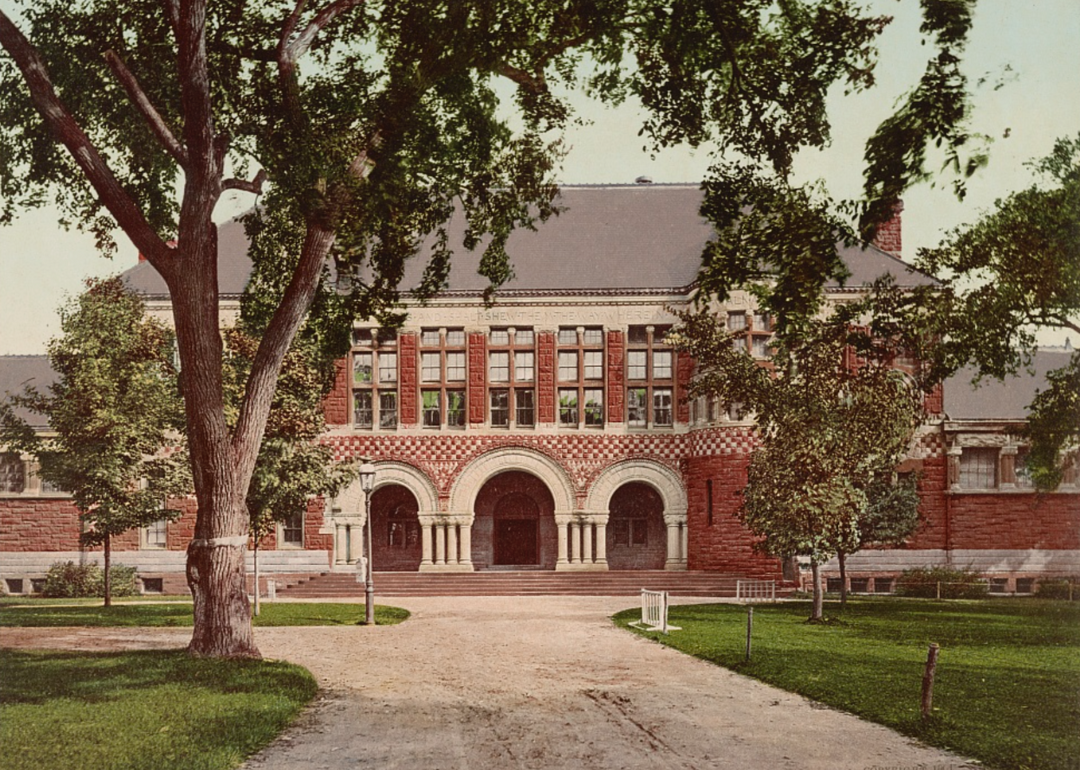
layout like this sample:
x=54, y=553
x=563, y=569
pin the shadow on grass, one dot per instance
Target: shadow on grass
x=37, y=676
x=142, y=709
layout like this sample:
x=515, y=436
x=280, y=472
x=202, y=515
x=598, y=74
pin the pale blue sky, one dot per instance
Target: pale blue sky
x=1038, y=39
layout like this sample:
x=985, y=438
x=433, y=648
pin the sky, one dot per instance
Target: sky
x=1032, y=46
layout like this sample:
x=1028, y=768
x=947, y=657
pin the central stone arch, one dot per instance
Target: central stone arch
x=667, y=483
x=513, y=498
x=469, y=482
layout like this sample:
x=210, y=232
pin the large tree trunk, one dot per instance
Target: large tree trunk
x=843, y=578
x=215, y=575
x=108, y=570
x=215, y=558
x=818, y=611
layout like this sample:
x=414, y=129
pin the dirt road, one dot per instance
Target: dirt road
x=527, y=683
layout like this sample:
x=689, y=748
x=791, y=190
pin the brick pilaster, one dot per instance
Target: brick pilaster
x=545, y=377
x=684, y=372
x=616, y=376
x=407, y=362
x=336, y=404
x=477, y=395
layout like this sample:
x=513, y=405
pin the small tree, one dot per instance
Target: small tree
x=292, y=467
x=112, y=415
x=890, y=516
x=832, y=417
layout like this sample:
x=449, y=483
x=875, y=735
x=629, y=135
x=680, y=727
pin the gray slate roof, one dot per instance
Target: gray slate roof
x=234, y=267
x=609, y=238
x=1000, y=400
x=16, y=372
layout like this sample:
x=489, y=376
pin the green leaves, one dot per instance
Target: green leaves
x=292, y=466
x=113, y=413
x=833, y=418
x=1015, y=271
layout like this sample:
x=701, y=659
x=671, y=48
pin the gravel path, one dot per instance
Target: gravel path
x=530, y=682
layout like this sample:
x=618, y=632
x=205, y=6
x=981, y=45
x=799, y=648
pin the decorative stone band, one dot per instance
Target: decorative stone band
x=219, y=542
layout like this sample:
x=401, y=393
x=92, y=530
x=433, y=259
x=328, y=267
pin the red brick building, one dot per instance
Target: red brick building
x=551, y=429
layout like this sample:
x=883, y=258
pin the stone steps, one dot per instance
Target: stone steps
x=516, y=583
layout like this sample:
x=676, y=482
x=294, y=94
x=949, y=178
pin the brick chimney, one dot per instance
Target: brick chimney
x=888, y=237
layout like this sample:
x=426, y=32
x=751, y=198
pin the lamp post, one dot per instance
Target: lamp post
x=367, y=482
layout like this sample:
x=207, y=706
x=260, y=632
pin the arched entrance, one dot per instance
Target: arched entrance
x=395, y=533
x=514, y=524
x=636, y=533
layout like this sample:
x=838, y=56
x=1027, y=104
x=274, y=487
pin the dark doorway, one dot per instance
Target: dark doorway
x=516, y=541
x=514, y=524
x=517, y=530
x=636, y=535
x=395, y=533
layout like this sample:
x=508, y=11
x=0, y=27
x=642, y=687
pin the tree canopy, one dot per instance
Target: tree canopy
x=1011, y=274
x=833, y=418
x=362, y=126
x=113, y=415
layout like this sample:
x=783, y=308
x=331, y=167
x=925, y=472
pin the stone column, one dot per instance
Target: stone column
x=425, y=544
x=674, y=540
x=356, y=542
x=586, y=543
x=601, y=543
x=562, y=560
x=575, y=542
x=684, y=544
x=440, y=544
x=340, y=547
x=451, y=544
x=465, y=544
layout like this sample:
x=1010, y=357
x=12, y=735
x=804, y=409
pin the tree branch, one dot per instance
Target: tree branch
x=254, y=186
x=172, y=12
x=287, y=319
x=303, y=42
x=149, y=112
x=362, y=164
x=525, y=79
x=195, y=95
x=68, y=132
x=1064, y=322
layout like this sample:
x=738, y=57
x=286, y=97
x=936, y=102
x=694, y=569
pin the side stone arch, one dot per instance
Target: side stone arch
x=468, y=483
x=347, y=518
x=391, y=472
x=667, y=483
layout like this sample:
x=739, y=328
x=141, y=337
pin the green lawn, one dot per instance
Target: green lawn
x=179, y=614
x=1007, y=690
x=36, y=599
x=153, y=710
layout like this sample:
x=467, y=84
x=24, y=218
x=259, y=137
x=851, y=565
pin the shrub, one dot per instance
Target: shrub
x=1059, y=589
x=924, y=582
x=69, y=580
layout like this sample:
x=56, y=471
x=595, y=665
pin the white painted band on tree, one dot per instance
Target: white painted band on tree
x=215, y=542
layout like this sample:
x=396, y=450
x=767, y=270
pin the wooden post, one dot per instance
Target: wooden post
x=928, y=680
x=939, y=589
x=749, y=627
